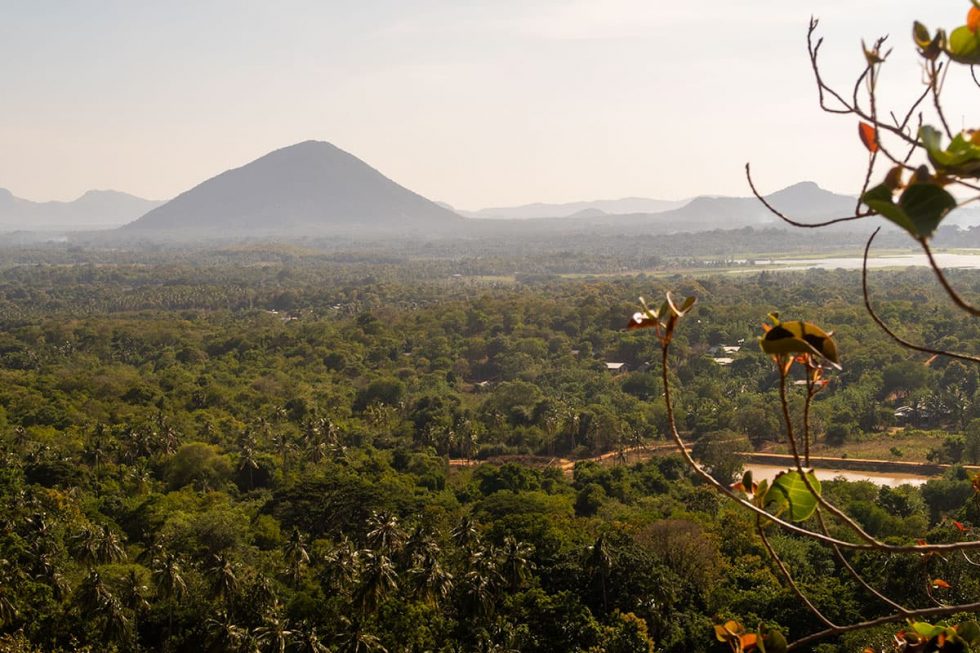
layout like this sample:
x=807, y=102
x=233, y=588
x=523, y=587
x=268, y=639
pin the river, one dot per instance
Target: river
x=944, y=259
x=769, y=472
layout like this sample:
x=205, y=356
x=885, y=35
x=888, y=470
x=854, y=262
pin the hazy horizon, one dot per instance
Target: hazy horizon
x=470, y=104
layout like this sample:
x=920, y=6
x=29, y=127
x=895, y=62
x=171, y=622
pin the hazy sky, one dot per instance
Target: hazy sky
x=474, y=103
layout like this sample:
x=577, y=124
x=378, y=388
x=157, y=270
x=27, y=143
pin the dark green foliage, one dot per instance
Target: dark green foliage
x=185, y=470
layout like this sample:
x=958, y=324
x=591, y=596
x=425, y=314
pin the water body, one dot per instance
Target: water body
x=945, y=260
x=769, y=472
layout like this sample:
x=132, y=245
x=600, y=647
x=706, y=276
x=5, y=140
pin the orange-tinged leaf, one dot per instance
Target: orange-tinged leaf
x=959, y=525
x=748, y=641
x=973, y=19
x=869, y=136
x=721, y=634
x=941, y=584
x=920, y=543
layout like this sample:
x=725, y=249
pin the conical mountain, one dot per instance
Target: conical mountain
x=309, y=188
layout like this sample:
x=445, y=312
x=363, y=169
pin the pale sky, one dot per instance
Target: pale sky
x=478, y=104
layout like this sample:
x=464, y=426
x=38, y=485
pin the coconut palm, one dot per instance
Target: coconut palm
x=599, y=564
x=296, y=555
x=223, y=634
x=430, y=581
x=343, y=564
x=168, y=577
x=378, y=580
x=465, y=536
x=248, y=462
x=273, y=636
x=515, y=563
x=97, y=604
x=306, y=640
x=385, y=536
x=222, y=577
x=109, y=547
x=133, y=593
x=356, y=640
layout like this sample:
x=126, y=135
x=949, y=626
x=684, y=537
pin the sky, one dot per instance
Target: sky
x=489, y=103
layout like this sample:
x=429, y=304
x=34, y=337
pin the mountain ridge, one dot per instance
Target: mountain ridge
x=311, y=186
x=92, y=209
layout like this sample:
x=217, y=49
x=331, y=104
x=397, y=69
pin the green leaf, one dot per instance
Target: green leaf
x=919, y=210
x=775, y=642
x=926, y=205
x=759, y=498
x=920, y=33
x=879, y=200
x=964, y=46
x=970, y=632
x=927, y=630
x=789, y=495
x=961, y=158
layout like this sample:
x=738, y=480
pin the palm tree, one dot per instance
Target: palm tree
x=168, y=577
x=599, y=563
x=284, y=448
x=308, y=641
x=385, y=536
x=222, y=579
x=247, y=460
x=134, y=593
x=85, y=546
x=430, y=581
x=296, y=556
x=273, y=635
x=465, y=535
x=343, y=564
x=223, y=634
x=95, y=602
x=356, y=640
x=109, y=547
x=515, y=562
x=378, y=580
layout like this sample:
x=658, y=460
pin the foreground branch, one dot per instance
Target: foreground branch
x=884, y=327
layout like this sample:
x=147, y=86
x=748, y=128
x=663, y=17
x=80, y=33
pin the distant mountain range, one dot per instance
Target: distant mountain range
x=95, y=209
x=574, y=209
x=308, y=188
x=316, y=189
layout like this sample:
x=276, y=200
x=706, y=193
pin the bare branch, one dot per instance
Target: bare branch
x=887, y=619
x=854, y=573
x=959, y=301
x=795, y=223
x=884, y=327
x=785, y=525
x=834, y=510
x=935, y=70
x=789, y=577
x=822, y=88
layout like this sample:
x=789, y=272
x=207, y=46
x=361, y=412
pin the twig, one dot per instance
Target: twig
x=934, y=84
x=834, y=510
x=887, y=619
x=785, y=525
x=784, y=218
x=884, y=327
x=854, y=573
x=789, y=577
x=959, y=301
